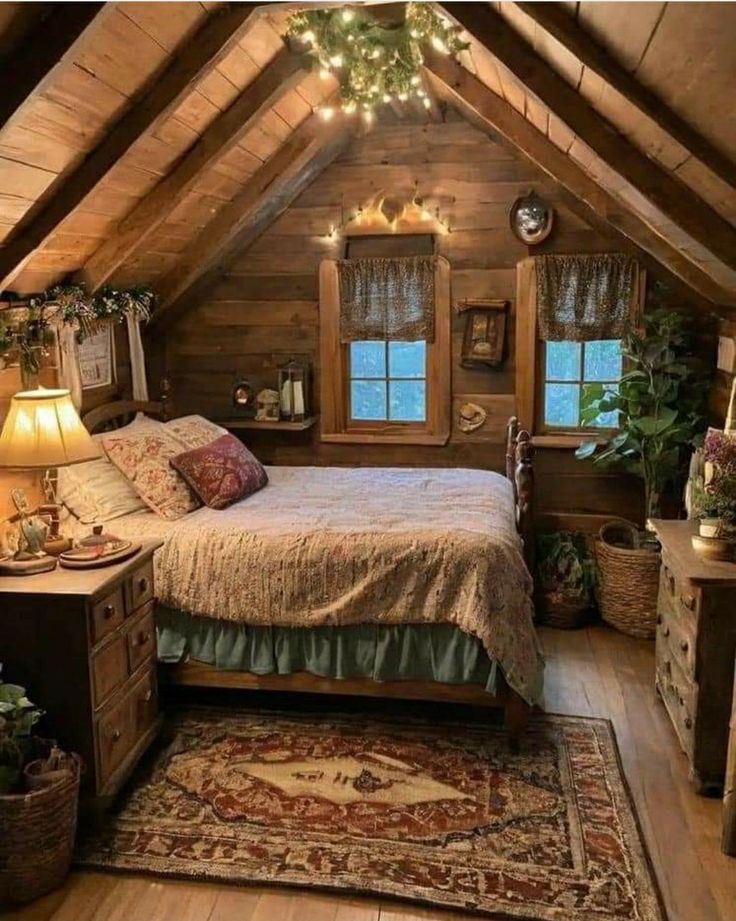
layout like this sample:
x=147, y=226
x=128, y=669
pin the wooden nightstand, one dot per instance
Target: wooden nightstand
x=695, y=646
x=83, y=642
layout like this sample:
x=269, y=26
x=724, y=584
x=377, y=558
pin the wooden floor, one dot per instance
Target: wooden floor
x=594, y=672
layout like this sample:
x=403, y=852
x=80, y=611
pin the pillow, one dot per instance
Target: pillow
x=96, y=490
x=194, y=431
x=143, y=457
x=221, y=472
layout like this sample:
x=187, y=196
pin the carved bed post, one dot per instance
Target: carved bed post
x=512, y=432
x=524, y=483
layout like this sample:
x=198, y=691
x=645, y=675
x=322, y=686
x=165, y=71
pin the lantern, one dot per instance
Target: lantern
x=294, y=391
x=244, y=398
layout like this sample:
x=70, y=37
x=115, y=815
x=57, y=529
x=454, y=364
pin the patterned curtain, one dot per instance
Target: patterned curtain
x=387, y=298
x=584, y=297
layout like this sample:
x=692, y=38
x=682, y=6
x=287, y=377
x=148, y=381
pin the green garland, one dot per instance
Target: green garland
x=75, y=305
x=374, y=63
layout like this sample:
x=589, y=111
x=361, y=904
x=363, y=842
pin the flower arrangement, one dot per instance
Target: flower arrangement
x=714, y=488
x=374, y=63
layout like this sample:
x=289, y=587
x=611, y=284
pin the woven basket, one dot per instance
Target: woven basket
x=563, y=610
x=38, y=830
x=629, y=583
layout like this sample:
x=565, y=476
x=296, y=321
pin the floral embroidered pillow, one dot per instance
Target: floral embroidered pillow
x=143, y=457
x=194, y=431
x=221, y=472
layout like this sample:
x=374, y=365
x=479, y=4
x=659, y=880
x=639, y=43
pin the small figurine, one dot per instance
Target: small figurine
x=32, y=528
x=267, y=406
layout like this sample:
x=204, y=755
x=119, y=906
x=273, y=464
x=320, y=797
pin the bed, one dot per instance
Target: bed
x=387, y=582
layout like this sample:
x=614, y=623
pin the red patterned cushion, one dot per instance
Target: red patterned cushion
x=221, y=472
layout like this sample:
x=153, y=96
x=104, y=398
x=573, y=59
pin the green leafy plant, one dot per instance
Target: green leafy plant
x=18, y=716
x=565, y=565
x=661, y=402
x=374, y=62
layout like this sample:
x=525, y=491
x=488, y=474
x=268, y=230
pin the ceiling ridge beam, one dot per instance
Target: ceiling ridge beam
x=556, y=22
x=27, y=69
x=484, y=108
x=277, y=79
x=200, y=54
x=670, y=195
x=270, y=191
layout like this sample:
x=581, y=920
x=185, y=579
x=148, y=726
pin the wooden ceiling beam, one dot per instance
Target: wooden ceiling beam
x=200, y=54
x=481, y=106
x=27, y=69
x=669, y=195
x=553, y=18
x=283, y=177
x=278, y=78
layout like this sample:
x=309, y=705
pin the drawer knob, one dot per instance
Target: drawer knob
x=666, y=631
x=688, y=723
x=108, y=611
x=116, y=735
x=670, y=580
x=148, y=695
x=659, y=619
x=684, y=645
x=143, y=585
x=688, y=602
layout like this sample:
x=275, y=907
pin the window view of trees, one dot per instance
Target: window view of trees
x=388, y=381
x=569, y=365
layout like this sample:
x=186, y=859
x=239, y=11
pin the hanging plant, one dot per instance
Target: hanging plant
x=374, y=63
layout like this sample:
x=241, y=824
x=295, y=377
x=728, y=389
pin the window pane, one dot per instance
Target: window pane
x=563, y=361
x=368, y=359
x=407, y=359
x=368, y=399
x=562, y=404
x=607, y=420
x=407, y=401
x=603, y=360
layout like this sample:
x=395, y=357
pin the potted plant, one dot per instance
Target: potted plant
x=661, y=403
x=566, y=577
x=713, y=496
x=39, y=786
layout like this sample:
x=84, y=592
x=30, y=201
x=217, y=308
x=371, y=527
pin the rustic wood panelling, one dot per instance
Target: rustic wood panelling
x=264, y=308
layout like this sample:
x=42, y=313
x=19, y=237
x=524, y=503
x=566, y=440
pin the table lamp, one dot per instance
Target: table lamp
x=42, y=430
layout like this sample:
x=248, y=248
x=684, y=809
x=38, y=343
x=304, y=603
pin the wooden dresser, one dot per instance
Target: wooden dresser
x=83, y=643
x=696, y=641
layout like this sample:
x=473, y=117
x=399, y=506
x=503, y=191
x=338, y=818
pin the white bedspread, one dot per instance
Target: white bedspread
x=331, y=545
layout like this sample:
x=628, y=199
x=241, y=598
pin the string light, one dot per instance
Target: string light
x=371, y=61
x=326, y=113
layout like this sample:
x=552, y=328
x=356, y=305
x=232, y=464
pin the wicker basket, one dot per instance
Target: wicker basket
x=38, y=830
x=629, y=581
x=562, y=610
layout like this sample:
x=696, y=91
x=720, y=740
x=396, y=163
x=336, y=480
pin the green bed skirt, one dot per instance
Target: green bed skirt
x=409, y=652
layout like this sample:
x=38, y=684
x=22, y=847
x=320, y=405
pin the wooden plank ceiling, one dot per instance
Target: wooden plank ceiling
x=147, y=135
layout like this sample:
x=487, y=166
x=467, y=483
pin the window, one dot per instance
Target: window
x=551, y=375
x=384, y=391
x=568, y=366
x=388, y=381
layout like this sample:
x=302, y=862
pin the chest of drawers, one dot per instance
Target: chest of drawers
x=695, y=645
x=84, y=645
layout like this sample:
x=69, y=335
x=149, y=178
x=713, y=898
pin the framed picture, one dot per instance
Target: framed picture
x=97, y=359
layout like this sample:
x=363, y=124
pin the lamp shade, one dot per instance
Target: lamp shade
x=42, y=429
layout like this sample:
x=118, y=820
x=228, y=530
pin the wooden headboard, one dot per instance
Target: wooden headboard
x=111, y=416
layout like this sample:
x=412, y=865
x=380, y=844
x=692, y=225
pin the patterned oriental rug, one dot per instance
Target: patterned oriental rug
x=442, y=814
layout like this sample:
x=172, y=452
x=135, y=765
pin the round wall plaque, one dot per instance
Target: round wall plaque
x=531, y=219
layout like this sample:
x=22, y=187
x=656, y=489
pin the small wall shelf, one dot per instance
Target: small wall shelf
x=281, y=426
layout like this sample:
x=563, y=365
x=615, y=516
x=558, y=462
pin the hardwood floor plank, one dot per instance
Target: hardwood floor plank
x=591, y=672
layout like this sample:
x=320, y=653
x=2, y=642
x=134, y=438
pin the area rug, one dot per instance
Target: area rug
x=443, y=814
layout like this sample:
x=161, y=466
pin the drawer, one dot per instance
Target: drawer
x=144, y=703
x=109, y=668
x=678, y=593
x=679, y=695
x=107, y=614
x=141, y=639
x=677, y=634
x=115, y=736
x=139, y=587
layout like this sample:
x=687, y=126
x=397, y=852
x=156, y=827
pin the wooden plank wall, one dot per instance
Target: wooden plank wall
x=264, y=309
